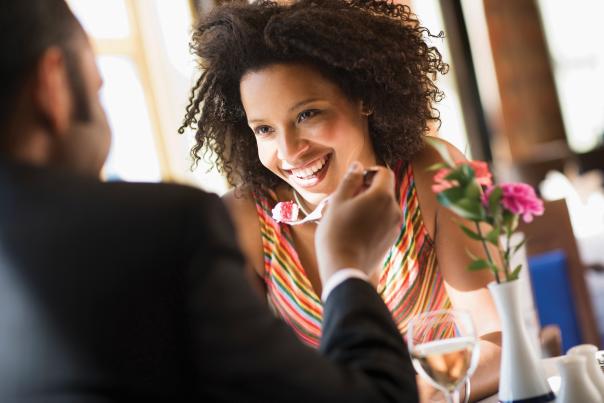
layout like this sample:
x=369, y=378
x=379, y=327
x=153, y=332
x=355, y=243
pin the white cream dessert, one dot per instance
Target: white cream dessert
x=285, y=212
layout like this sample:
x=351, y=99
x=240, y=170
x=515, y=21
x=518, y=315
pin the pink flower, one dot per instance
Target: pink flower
x=518, y=198
x=481, y=173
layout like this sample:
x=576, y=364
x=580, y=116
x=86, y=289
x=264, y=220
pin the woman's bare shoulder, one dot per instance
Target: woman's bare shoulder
x=242, y=207
x=429, y=155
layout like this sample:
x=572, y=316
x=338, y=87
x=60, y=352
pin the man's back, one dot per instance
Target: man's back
x=92, y=283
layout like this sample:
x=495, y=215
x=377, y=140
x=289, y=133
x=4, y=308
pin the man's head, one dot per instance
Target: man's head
x=50, y=112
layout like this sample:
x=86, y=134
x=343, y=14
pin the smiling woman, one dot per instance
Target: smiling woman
x=312, y=135
x=288, y=97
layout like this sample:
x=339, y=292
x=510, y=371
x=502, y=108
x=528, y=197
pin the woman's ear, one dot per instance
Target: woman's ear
x=366, y=110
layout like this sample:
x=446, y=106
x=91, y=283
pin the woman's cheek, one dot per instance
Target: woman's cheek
x=328, y=130
x=268, y=158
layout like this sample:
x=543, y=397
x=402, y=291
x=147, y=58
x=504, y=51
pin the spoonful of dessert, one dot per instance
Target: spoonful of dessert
x=287, y=212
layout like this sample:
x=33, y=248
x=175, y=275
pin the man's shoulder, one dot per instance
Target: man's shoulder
x=157, y=193
x=63, y=193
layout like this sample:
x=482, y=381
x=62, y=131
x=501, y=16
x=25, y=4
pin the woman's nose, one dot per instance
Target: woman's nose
x=290, y=146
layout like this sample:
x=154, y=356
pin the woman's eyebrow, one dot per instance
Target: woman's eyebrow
x=301, y=103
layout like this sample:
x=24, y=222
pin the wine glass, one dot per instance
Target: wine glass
x=444, y=349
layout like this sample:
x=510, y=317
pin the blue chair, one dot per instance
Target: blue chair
x=553, y=295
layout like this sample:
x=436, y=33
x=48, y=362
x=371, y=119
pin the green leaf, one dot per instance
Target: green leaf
x=462, y=212
x=495, y=199
x=469, y=209
x=441, y=148
x=479, y=264
x=510, y=221
x=494, y=217
x=493, y=236
x=467, y=171
x=520, y=244
x=437, y=166
x=450, y=196
x=471, y=233
x=456, y=175
x=473, y=191
x=515, y=273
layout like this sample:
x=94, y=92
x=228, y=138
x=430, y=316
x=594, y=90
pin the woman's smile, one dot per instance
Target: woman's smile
x=310, y=174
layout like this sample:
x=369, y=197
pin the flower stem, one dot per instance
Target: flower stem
x=486, y=250
x=508, y=235
x=502, y=256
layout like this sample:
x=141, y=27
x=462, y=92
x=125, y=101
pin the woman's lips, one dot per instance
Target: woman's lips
x=310, y=168
x=310, y=178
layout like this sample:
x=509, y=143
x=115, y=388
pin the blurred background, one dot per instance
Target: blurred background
x=523, y=93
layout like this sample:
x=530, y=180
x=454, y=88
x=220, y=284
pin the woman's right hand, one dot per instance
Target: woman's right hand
x=360, y=223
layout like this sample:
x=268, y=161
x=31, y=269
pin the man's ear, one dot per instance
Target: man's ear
x=51, y=91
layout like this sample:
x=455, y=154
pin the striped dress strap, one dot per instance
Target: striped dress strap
x=289, y=289
x=410, y=282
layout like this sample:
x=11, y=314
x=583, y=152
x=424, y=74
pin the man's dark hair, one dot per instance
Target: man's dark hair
x=27, y=29
x=374, y=50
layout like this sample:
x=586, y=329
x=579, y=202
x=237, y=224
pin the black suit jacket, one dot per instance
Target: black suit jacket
x=136, y=292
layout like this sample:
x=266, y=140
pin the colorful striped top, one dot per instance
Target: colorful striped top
x=409, y=281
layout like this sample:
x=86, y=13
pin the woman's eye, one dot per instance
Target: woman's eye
x=302, y=116
x=262, y=130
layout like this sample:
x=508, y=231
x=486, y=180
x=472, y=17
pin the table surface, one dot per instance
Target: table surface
x=551, y=372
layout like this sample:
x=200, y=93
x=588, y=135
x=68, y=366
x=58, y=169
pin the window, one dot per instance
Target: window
x=143, y=55
x=573, y=33
x=453, y=128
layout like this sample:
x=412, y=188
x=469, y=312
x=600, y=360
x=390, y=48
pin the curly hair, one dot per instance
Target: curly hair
x=374, y=50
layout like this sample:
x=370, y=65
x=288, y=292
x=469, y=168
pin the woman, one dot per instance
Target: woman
x=289, y=96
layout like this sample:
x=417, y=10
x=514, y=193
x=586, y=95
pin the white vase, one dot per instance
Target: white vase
x=593, y=368
x=575, y=387
x=521, y=374
x=527, y=307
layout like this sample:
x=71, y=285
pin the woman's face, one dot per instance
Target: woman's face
x=306, y=130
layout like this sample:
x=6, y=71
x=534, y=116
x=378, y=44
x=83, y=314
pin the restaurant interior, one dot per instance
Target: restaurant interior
x=523, y=93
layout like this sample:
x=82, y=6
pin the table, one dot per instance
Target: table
x=551, y=372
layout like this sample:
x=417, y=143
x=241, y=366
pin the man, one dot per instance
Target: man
x=128, y=292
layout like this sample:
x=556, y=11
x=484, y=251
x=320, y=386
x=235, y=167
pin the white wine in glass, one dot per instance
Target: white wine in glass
x=444, y=349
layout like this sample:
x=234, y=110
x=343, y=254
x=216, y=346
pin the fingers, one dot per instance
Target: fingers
x=383, y=180
x=368, y=175
x=350, y=185
x=381, y=194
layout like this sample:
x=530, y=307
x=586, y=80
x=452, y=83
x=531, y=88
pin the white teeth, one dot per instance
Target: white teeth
x=308, y=171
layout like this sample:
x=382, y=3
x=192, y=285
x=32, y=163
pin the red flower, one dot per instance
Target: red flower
x=441, y=183
x=481, y=173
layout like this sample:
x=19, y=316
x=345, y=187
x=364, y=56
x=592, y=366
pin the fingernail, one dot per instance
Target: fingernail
x=353, y=167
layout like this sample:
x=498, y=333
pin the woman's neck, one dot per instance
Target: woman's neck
x=304, y=206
